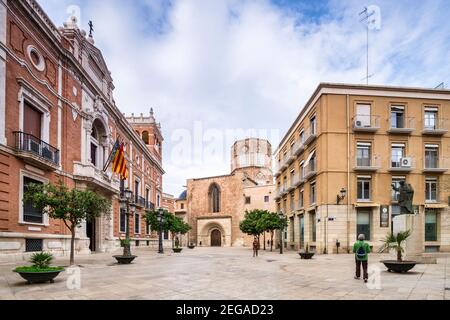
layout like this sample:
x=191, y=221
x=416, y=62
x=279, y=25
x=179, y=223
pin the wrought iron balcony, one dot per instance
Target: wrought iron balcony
x=310, y=135
x=436, y=164
x=366, y=123
x=36, y=151
x=297, y=148
x=402, y=164
x=437, y=127
x=139, y=201
x=406, y=125
x=149, y=205
x=367, y=163
x=311, y=169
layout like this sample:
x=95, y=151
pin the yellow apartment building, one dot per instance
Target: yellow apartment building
x=336, y=165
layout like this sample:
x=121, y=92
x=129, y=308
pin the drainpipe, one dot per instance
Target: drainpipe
x=348, y=171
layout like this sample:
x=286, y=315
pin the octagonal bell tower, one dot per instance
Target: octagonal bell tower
x=253, y=157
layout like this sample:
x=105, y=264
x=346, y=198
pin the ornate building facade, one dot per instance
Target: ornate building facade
x=214, y=206
x=59, y=122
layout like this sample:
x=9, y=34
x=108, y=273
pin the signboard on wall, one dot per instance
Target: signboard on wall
x=384, y=216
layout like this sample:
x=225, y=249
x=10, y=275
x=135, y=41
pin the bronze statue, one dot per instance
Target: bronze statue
x=405, y=198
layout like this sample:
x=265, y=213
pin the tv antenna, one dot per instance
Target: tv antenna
x=366, y=18
x=440, y=86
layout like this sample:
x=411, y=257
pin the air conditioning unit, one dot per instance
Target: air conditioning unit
x=359, y=123
x=406, y=162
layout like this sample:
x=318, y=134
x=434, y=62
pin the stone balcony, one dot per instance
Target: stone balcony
x=93, y=176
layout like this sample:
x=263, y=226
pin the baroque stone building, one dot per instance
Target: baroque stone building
x=337, y=163
x=59, y=122
x=214, y=206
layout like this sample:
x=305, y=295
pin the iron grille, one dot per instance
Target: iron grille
x=34, y=245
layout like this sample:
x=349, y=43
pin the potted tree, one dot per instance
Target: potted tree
x=126, y=257
x=40, y=271
x=177, y=248
x=72, y=206
x=191, y=245
x=395, y=242
x=171, y=223
x=306, y=254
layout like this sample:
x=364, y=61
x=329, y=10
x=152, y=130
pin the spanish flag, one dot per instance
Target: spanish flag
x=119, y=163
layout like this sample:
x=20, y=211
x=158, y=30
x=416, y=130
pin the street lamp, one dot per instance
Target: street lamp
x=160, y=218
x=128, y=208
x=281, y=215
x=342, y=195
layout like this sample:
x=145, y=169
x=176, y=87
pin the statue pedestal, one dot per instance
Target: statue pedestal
x=414, y=244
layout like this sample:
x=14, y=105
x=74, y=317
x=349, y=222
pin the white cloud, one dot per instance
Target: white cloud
x=250, y=64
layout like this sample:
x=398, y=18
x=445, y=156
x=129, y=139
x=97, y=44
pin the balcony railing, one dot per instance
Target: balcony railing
x=310, y=169
x=29, y=144
x=298, y=148
x=435, y=126
x=405, y=125
x=149, y=205
x=436, y=164
x=140, y=201
x=367, y=163
x=298, y=180
x=366, y=123
x=310, y=135
x=402, y=164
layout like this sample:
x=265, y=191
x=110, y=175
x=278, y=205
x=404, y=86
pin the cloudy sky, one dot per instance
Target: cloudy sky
x=216, y=70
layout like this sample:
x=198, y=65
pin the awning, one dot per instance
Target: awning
x=308, y=160
x=366, y=205
x=436, y=205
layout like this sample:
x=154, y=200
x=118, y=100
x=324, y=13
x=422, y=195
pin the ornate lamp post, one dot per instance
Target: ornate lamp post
x=161, y=221
x=129, y=207
x=281, y=215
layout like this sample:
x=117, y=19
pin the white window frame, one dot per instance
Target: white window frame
x=367, y=178
x=430, y=180
x=45, y=218
x=40, y=103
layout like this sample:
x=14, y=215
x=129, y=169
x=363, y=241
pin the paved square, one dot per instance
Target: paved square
x=229, y=273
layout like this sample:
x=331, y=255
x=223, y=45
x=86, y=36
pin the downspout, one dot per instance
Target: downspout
x=348, y=171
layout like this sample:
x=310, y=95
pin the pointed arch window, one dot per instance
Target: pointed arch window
x=214, y=198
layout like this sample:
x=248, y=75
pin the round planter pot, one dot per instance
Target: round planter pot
x=39, y=277
x=125, y=259
x=306, y=255
x=177, y=250
x=191, y=247
x=399, y=267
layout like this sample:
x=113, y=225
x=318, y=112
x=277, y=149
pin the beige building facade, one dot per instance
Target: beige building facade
x=215, y=206
x=337, y=163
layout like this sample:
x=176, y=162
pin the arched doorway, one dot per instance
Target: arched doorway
x=216, y=238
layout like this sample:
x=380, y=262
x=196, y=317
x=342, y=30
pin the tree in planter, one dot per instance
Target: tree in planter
x=395, y=242
x=171, y=223
x=72, y=206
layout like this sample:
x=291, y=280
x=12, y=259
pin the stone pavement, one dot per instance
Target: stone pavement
x=229, y=273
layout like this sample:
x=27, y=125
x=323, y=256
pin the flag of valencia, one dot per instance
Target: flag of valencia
x=119, y=163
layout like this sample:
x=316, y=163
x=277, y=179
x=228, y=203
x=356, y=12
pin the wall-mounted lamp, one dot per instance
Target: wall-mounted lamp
x=341, y=196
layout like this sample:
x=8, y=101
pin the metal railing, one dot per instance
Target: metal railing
x=28, y=143
x=402, y=163
x=373, y=162
x=149, y=205
x=435, y=125
x=405, y=123
x=432, y=163
x=366, y=123
x=140, y=201
x=311, y=169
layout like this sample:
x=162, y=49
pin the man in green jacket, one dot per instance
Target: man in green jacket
x=361, y=249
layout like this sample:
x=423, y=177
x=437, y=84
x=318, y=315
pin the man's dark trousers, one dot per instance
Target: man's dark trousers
x=358, y=269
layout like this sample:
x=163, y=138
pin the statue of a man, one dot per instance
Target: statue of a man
x=405, y=198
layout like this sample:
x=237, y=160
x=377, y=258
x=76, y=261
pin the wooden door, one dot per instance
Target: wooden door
x=216, y=238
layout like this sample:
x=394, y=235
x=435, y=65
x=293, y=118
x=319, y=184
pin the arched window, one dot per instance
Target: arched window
x=145, y=137
x=98, y=144
x=214, y=198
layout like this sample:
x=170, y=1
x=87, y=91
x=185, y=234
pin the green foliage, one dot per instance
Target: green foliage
x=395, y=242
x=72, y=206
x=170, y=222
x=41, y=260
x=69, y=205
x=124, y=242
x=258, y=221
x=34, y=269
